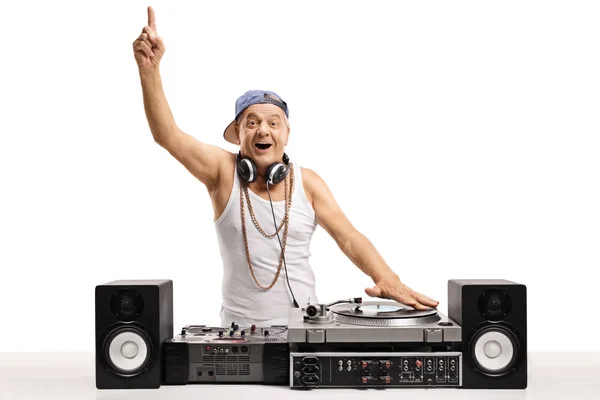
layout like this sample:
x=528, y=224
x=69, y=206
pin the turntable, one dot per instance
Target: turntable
x=352, y=343
x=352, y=320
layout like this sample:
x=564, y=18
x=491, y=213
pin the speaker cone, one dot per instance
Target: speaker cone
x=127, y=351
x=494, y=350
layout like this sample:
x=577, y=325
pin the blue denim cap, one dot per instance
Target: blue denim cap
x=249, y=98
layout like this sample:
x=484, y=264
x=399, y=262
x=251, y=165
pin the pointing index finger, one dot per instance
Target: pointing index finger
x=151, y=19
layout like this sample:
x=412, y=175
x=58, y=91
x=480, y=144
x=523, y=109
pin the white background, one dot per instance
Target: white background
x=461, y=138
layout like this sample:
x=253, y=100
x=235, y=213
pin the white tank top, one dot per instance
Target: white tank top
x=243, y=301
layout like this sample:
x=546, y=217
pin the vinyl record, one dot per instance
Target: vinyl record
x=374, y=309
x=383, y=313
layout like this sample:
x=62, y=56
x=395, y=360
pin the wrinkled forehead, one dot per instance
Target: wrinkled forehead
x=263, y=111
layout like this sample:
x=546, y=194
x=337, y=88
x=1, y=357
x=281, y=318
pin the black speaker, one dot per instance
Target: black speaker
x=492, y=314
x=133, y=320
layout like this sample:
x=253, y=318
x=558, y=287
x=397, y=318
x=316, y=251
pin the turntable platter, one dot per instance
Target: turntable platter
x=376, y=313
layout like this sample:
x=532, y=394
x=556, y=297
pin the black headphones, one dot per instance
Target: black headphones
x=276, y=172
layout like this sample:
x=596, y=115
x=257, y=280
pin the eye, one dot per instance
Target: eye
x=274, y=123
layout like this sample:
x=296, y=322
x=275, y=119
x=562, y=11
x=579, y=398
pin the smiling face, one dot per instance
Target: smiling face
x=263, y=133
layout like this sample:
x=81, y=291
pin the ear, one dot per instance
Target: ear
x=237, y=133
x=287, y=136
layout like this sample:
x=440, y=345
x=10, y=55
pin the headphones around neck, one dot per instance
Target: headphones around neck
x=248, y=172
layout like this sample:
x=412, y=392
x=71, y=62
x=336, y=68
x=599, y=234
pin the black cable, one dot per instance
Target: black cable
x=281, y=246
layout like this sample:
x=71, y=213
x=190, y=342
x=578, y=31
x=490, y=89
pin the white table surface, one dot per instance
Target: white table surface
x=552, y=375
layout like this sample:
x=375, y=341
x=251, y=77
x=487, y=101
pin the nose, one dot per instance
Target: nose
x=263, y=129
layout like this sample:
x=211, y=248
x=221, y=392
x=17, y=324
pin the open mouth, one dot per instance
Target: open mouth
x=262, y=146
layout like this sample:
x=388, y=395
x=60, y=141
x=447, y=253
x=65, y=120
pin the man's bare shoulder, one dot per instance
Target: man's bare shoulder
x=205, y=161
x=228, y=159
x=308, y=175
x=222, y=155
x=312, y=182
x=225, y=155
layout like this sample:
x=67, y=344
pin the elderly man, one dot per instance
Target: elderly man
x=265, y=207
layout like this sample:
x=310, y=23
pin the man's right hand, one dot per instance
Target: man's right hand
x=148, y=48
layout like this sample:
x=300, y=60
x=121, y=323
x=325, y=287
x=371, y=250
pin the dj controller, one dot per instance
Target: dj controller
x=216, y=354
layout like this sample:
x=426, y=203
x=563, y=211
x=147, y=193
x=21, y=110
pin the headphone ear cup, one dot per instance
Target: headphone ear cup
x=246, y=169
x=277, y=173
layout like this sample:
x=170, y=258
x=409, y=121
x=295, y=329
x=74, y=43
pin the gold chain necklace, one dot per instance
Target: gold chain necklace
x=284, y=223
x=255, y=221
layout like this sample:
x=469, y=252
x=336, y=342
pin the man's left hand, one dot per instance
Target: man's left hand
x=393, y=289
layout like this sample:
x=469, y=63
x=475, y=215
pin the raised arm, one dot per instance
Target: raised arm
x=203, y=160
x=358, y=248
